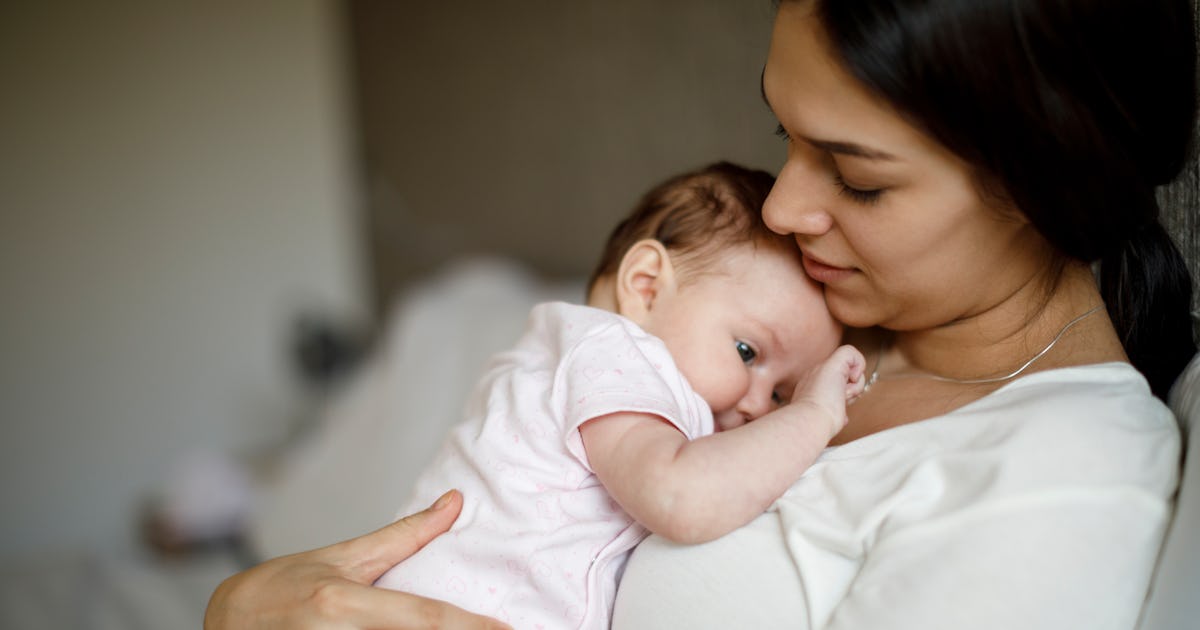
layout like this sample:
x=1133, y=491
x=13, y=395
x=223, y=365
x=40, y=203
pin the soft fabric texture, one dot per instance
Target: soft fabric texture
x=1173, y=601
x=1041, y=505
x=540, y=543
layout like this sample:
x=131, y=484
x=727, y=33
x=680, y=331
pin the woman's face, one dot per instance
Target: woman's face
x=892, y=223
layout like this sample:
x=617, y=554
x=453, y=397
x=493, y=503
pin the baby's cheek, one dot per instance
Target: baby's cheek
x=724, y=392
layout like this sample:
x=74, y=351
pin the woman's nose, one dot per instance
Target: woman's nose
x=796, y=203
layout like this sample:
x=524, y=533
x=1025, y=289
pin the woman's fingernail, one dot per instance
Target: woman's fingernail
x=442, y=501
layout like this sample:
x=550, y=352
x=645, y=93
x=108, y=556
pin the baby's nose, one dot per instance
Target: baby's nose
x=755, y=405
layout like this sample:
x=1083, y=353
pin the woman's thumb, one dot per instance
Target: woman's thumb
x=370, y=555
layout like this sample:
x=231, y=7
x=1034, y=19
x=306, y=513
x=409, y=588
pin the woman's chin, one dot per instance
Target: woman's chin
x=855, y=312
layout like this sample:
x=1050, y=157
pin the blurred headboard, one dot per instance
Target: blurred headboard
x=1181, y=207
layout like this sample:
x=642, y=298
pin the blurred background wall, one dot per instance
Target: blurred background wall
x=530, y=127
x=179, y=182
x=176, y=186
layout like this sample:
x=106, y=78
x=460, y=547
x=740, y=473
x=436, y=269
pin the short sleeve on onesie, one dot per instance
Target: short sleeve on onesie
x=617, y=367
x=540, y=543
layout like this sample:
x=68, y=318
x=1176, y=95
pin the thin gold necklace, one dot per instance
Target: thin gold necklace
x=871, y=380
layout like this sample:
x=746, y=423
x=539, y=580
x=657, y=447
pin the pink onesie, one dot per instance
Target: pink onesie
x=539, y=543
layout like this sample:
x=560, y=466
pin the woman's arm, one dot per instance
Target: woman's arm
x=331, y=587
x=695, y=491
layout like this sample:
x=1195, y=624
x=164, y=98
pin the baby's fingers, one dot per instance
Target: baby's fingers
x=855, y=388
x=851, y=362
x=853, y=366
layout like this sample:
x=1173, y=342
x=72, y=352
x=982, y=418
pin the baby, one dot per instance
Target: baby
x=633, y=414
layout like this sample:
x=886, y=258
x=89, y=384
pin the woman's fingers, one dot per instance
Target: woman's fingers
x=331, y=587
x=367, y=557
x=387, y=610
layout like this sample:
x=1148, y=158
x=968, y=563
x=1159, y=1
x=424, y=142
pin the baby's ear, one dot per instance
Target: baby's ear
x=645, y=272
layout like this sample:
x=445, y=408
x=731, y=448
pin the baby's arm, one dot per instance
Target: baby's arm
x=695, y=491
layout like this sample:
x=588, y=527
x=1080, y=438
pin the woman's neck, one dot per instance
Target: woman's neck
x=989, y=345
x=1002, y=338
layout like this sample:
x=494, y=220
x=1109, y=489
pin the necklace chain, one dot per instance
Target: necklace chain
x=871, y=380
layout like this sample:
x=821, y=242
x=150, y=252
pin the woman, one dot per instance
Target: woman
x=954, y=169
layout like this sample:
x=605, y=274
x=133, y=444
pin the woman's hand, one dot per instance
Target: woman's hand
x=331, y=587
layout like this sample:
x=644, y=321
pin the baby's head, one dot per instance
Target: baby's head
x=695, y=265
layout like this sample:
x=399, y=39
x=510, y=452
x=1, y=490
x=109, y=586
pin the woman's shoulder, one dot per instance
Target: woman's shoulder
x=1085, y=426
x=1085, y=399
x=1091, y=425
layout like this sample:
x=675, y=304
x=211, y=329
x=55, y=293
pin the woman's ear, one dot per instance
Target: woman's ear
x=644, y=274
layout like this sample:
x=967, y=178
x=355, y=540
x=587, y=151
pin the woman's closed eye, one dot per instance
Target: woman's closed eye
x=860, y=195
x=745, y=351
x=864, y=196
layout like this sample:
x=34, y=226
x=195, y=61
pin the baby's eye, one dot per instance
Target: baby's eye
x=778, y=399
x=745, y=352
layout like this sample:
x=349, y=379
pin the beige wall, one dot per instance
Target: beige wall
x=174, y=187
x=529, y=127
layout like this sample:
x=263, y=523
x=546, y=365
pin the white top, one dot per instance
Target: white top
x=1041, y=505
x=540, y=543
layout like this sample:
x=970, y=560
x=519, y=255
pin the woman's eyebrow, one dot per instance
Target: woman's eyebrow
x=852, y=149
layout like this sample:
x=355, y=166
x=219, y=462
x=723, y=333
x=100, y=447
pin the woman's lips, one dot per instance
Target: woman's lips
x=824, y=273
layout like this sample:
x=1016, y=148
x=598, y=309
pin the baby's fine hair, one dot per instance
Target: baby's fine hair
x=696, y=215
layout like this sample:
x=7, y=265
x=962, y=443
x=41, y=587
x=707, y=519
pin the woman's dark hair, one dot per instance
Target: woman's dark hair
x=695, y=215
x=1074, y=109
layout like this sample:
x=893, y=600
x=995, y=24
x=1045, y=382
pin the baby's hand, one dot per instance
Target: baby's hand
x=830, y=386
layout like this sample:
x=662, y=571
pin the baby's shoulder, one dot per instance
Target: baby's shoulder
x=566, y=328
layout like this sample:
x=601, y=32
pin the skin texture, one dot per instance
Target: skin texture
x=903, y=237
x=753, y=299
